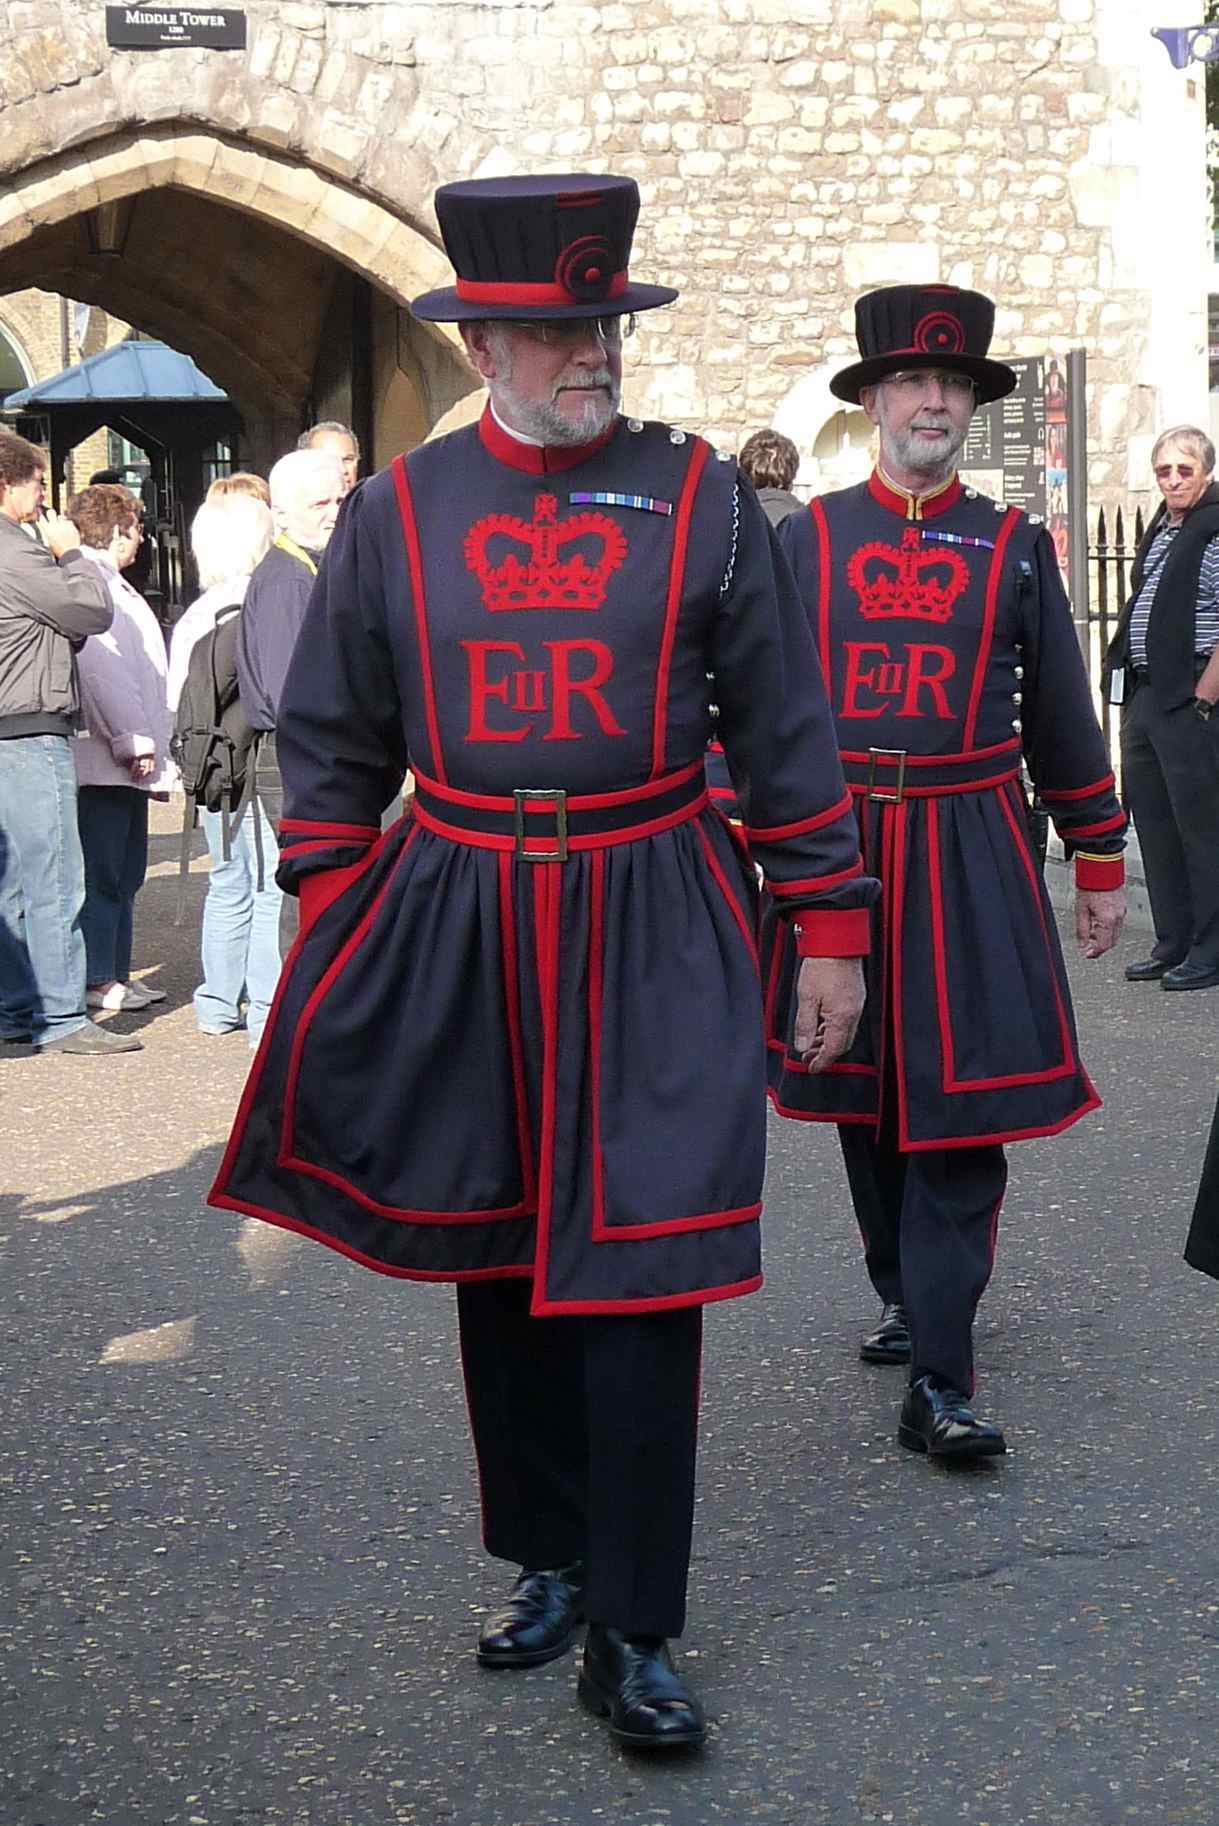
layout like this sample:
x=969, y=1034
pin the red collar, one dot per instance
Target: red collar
x=915, y=507
x=536, y=459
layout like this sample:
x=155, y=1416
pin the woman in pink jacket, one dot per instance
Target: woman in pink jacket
x=123, y=753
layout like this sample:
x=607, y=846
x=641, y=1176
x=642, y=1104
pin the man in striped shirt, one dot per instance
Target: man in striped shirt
x=1166, y=652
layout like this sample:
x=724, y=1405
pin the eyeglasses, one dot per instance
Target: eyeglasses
x=916, y=383
x=1165, y=470
x=555, y=332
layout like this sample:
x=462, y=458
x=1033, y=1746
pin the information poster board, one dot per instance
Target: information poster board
x=1017, y=447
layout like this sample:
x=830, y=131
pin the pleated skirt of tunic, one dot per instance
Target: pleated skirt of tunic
x=479, y=1066
x=968, y=1035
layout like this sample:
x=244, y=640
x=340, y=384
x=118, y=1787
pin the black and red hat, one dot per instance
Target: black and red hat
x=539, y=247
x=924, y=326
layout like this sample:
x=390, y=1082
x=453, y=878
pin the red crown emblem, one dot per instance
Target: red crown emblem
x=908, y=581
x=534, y=576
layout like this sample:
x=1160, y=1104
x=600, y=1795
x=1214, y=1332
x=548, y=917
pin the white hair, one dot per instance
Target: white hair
x=295, y=474
x=229, y=536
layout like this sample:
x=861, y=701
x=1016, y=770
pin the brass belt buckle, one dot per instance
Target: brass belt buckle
x=887, y=754
x=557, y=798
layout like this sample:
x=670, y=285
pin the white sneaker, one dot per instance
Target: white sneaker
x=120, y=998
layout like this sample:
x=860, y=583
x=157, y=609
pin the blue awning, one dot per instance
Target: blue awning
x=130, y=371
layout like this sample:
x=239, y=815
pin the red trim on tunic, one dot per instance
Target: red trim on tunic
x=291, y=1161
x=772, y=990
x=368, y=831
x=414, y=558
x=775, y=833
x=896, y=873
x=717, y=870
x=950, y=1084
x=535, y=459
x=865, y=755
x=514, y=1271
x=940, y=792
x=1116, y=823
x=601, y=840
x=821, y=527
x=320, y=890
x=677, y=577
x=677, y=1226
x=576, y=802
x=596, y=969
x=999, y=1138
x=899, y=501
x=1096, y=874
x=512, y=1007
x=1076, y=792
x=603, y=1231
x=834, y=932
x=841, y=1118
x=815, y=884
x=547, y=890
x=993, y=580
x=668, y=1302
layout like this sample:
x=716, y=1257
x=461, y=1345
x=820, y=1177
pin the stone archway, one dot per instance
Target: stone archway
x=240, y=256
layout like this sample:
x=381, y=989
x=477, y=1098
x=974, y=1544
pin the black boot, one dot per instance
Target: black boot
x=939, y=1420
x=890, y=1342
x=631, y=1682
x=539, y=1621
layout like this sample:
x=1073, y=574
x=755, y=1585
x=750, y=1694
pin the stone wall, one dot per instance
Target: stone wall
x=790, y=152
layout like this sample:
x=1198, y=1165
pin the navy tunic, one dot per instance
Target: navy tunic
x=489, y=1058
x=947, y=643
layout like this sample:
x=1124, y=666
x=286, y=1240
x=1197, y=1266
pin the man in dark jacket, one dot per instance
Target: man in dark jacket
x=1163, y=668
x=50, y=602
x=306, y=488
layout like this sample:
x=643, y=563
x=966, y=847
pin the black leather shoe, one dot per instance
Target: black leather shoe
x=1149, y=969
x=631, y=1681
x=890, y=1342
x=1190, y=976
x=939, y=1420
x=539, y=1621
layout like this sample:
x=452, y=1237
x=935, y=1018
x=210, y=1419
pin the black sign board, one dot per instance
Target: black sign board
x=159, y=28
x=1009, y=435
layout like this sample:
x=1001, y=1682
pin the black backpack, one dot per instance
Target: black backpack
x=213, y=741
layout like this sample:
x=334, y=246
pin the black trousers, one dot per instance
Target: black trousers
x=1170, y=777
x=585, y=1431
x=929, y=1222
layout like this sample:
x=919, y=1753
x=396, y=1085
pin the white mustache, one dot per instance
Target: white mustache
x=585, y=383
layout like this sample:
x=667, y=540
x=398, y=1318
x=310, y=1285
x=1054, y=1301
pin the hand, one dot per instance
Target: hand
x=1099, y=914
x=829, y=1001
x=59, y=533
x=142, y=767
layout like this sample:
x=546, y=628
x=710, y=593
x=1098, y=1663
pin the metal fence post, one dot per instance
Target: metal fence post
x=1077, y=494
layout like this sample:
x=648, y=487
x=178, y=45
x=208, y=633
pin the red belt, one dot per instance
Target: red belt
x=545, y=824
x=890, y=775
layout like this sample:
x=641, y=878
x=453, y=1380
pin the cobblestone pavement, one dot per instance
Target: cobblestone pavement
x=238, y=1541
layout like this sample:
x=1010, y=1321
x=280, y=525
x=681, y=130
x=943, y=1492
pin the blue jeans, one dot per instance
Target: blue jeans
x=42, y=890
x=240, y=927
x=114, y=839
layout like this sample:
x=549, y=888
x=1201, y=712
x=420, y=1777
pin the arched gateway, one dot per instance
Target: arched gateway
x=286, y=283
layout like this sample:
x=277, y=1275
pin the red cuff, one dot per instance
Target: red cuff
x=317, y=891
x=833, y=932
x=1100, y=872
